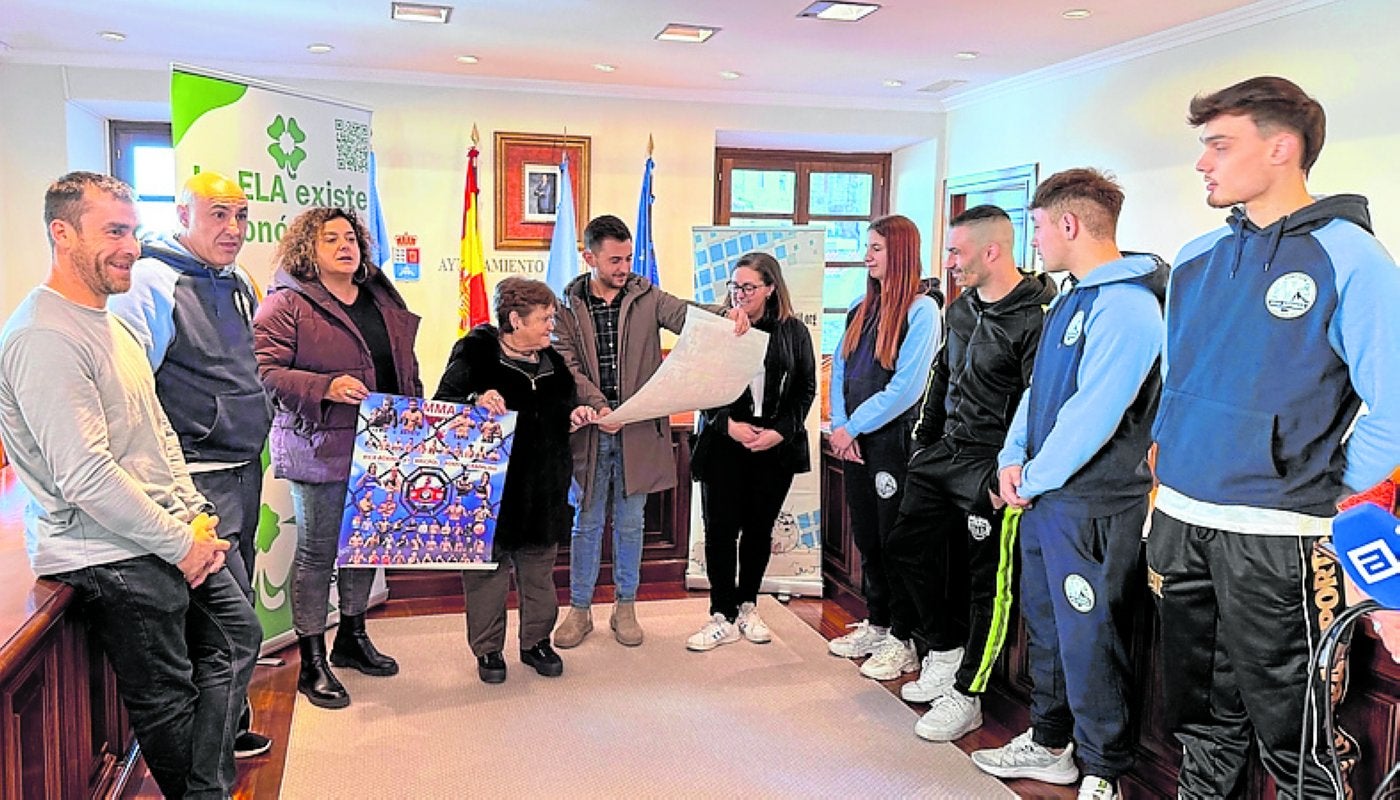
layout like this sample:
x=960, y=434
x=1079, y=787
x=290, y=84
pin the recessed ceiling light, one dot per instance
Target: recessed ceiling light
x=1076, y=13
x=839, y=12
x=731, y=75
x=319, y=48
x=420, y=12
x=680, y=32
x=966, y=55
x=893, y=84
x=113, y=36
x=605, y=67
x=467, y=59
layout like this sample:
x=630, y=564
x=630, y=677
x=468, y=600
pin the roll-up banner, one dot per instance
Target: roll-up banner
x=290, y=151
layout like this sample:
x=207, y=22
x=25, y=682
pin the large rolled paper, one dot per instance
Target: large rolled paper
x=709, y=367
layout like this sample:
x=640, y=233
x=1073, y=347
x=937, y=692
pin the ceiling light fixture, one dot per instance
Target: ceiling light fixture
x=467, y=59
x=893, y=84
x=680, y=32
x=1076, y=13
x=319, y=48
x=112, y=36
x=731, y=75
x=605, y=67
x=966, y=55
x=420, y=12
x=839, y=12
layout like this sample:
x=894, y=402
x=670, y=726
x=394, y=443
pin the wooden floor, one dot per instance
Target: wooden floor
x=273, y=694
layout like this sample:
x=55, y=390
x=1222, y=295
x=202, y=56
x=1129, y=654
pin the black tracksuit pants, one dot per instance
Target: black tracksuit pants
x=873, y=493
x=1240, y=614
x=951, y=561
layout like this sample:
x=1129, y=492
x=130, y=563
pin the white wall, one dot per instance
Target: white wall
x=1130, y=118
x=915, y=192
x=421, y=139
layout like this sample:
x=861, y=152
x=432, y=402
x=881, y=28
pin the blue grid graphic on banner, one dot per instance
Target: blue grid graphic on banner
x=714, y=259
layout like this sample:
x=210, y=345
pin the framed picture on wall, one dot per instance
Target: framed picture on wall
x=528, y=190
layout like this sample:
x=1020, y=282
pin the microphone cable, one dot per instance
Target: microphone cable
x=1320, y=680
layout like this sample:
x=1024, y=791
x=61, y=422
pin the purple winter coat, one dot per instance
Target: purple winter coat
x=303, y=339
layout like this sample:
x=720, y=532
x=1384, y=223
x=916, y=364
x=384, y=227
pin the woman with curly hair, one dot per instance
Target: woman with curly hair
x=332, y=330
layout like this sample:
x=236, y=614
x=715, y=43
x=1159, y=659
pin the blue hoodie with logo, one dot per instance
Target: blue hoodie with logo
x=1082, y=429
x=195, y=322
x=1275, y=337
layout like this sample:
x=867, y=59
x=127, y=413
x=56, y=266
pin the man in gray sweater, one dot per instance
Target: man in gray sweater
x=111, y=508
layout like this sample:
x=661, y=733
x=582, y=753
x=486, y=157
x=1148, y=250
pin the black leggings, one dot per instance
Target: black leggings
x=740, y=501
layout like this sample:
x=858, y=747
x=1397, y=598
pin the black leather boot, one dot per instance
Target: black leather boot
x=353, y=649
x=316, y=680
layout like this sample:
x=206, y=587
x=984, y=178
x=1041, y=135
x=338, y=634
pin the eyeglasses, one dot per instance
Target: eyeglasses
x=744, y=289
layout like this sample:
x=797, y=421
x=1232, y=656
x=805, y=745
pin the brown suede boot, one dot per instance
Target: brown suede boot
x=575, y=626
x=624, y=623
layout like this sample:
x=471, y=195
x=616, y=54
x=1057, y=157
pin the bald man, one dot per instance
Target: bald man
x=192, y=306
x=949, y=521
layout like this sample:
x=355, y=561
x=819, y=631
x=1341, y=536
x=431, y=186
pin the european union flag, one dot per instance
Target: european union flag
x=644, y=249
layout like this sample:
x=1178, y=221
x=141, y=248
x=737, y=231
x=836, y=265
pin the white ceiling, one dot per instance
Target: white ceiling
x=547, y=44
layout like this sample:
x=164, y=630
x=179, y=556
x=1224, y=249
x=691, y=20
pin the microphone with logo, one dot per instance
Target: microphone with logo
x=1366, y=543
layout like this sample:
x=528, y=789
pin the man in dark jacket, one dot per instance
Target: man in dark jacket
x=1279, y=326
x=950, y=518
x=609, y=334
x=1078, y=448
x=192, y=306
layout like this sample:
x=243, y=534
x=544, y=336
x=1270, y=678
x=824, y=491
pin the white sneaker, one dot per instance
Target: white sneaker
x=894, y=658
x=751, y=625
x=1095, y=788
x=716, y=632
x=1023, y=758
x=950, y=717
x=862, y=641
x=937, y=676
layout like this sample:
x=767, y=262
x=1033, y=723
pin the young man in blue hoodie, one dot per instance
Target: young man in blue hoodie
x=1279, y=326
x=191, y=306
x=1075, y=462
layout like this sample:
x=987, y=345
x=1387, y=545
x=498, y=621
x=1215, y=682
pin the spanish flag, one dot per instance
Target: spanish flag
x=474, y=309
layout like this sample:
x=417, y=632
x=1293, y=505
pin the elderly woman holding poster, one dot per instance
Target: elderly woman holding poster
x=332, y=329
x=515, y=368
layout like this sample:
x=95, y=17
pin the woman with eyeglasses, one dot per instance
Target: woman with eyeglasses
x=748, y=452
x=878, y=374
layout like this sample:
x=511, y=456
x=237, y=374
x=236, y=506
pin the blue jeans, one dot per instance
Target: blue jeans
x=319, y=508
x=183, y=658
x=585, y=547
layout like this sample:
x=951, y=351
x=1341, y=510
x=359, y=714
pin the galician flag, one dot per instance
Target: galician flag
x=475, y=307
x=378, y=229
x=563, y=245
x=644, y=252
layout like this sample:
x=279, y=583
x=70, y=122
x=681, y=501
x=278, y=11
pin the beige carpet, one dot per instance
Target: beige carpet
x=778, y=720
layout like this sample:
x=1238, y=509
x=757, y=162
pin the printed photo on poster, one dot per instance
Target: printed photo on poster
x=425, y=484
x=541, y=192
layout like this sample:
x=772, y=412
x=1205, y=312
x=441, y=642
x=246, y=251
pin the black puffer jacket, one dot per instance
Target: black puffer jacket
x=983, y=367
x=535, y=506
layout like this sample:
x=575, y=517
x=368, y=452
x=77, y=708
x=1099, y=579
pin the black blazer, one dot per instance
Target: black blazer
x=789, y=387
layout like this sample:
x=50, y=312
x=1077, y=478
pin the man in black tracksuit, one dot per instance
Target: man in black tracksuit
x=950, y=519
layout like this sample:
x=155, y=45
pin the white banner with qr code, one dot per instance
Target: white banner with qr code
x=290, y=152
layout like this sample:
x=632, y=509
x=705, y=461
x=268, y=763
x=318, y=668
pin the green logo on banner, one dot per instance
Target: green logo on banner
x=282, y=134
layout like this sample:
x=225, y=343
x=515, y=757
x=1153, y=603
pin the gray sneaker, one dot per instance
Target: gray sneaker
x=863, y=640
x=1023, y=758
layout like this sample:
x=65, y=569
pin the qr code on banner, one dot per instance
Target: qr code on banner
x=351, y=146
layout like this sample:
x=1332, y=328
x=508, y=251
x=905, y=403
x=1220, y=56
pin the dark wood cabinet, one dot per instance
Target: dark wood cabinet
x=63, y=733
